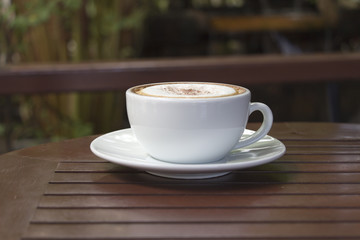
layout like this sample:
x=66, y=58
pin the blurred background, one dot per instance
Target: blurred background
x=85, y=31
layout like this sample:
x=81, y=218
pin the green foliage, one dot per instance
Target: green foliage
x=2, y=129
x=36, y=12
x=69, y=31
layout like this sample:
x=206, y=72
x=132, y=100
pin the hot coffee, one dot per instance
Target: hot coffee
x=189, y=90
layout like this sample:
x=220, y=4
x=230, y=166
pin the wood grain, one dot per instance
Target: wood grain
x=312, y=192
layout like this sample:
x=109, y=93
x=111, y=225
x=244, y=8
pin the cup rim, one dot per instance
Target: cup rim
x=131, y=92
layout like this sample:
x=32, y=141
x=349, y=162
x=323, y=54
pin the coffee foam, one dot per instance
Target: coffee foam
x=189, y=90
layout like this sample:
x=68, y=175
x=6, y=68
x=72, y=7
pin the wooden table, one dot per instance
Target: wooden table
x=62, y=191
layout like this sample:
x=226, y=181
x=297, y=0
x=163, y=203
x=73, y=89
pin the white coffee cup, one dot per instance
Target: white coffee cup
x=188, y=122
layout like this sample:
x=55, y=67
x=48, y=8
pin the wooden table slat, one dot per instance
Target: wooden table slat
x=191, y=231
x=150, y=215
x=210, y=201
x=278, y=167
x=322, y=143
x=244, y=177
x=355, y=158
x=314, y=131
x=202, y=189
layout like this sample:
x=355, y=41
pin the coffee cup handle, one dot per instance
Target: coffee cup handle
x=264, y=128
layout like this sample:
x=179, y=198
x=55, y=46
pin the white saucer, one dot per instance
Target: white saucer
x=121, y=147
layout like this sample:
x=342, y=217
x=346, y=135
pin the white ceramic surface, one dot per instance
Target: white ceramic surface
x=122, y=147
x=193, y=130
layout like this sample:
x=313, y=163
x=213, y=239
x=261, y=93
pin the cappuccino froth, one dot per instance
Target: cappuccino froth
x=189, y=90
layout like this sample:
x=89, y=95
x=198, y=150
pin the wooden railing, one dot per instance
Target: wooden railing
x=247, y=70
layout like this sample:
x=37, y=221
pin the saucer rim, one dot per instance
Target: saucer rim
x=161, y=166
